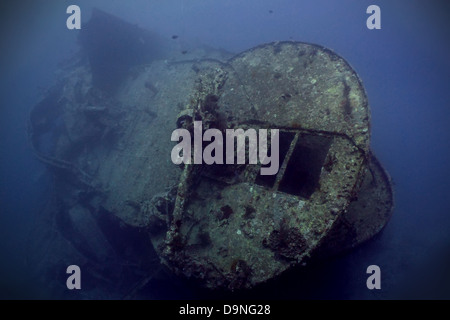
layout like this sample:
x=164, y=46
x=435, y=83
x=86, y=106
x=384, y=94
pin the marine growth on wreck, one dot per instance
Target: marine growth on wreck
x=125, y=212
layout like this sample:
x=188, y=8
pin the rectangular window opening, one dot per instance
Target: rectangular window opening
x=285, y=142
x=302, y=173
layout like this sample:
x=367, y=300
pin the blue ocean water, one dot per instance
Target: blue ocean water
x=405, y=70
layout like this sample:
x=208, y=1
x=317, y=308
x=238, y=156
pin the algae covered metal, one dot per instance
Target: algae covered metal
x=225, y=226
x=233, y=227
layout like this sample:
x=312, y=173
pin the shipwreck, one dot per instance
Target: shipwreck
x=123, y=211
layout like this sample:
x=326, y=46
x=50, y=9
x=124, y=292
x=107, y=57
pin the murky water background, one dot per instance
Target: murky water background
x=404, y=67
